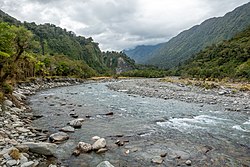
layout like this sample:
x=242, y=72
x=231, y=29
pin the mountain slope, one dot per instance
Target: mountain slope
x=227, y=59
x=54, y=40
x=189, y=42
x=142, y=53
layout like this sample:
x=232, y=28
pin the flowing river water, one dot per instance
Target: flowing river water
x=150, y=127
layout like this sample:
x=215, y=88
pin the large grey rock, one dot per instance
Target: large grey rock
x=42, y=148
x=68, y=129
x=76, y=123
x=100, y=143
x=8, y=103
x=105, y=164
x=58, y=137
x=84, y=147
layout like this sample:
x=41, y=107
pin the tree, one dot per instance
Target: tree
x=14, y=41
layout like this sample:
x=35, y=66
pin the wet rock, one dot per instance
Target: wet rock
x=127, y=152
x=157, y=160
x=100, y=143
x=68, y=129
x=119, y=143
x=102, y=150
x=37, y=116
x=8, y=103
x=84, y=147
x=105, y=164
x=28, y=164
x=76, y=123
x=95, y=138
x=109, y=113
x=206, y=149
x=163, y=155
x=42, y=148
x=58, y=137
x=76, y=152
x=188, y=162
x=73, y=115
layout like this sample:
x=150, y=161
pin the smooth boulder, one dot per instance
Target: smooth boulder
x=58, y=137
x=100, y=143
x=68, y=129
x=42, y=148
x=105, y=164
x=76, y=123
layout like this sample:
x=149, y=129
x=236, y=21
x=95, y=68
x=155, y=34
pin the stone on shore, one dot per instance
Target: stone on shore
x=105, y=164
x=58, y=137
x=7, y=103
x=28, y=164
x=100, y=143
x=42, y=148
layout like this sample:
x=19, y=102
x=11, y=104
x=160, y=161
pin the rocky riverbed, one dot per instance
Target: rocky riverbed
x=145, y=122
x=229, y=99
x=141, y=122
x=21, y=144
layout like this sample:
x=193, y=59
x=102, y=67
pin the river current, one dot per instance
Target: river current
x=150, y=127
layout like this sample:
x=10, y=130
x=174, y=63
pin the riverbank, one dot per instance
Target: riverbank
x=16, y=129
x=230, y=98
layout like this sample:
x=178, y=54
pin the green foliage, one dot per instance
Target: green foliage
x=227, y=59
x=190, y=42
x=6, y=88
x=60, y=65
x=118, y=61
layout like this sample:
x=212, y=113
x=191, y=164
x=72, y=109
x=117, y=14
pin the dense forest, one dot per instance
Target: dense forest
x=229, y=58
x=189, y=42
x=29, y=50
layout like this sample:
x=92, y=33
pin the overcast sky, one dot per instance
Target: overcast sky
x=120, y=24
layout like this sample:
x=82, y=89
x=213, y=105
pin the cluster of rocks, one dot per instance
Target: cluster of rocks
x=20, y=143
x=99, y=146
x=231, y=99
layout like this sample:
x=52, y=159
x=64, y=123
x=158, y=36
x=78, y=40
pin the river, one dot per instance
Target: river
x=150, y=127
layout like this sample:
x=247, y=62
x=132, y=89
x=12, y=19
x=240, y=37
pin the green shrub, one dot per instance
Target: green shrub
x=7, y=88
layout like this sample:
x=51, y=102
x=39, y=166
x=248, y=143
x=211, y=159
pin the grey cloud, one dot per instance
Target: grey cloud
x=120, y=24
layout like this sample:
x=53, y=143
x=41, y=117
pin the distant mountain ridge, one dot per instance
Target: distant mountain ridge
x=142, y=53
x=189, y=42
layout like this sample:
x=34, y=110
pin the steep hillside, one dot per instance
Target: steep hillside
x=54, y=40
x=211, y=31
x=227, y=59
x=142, y=53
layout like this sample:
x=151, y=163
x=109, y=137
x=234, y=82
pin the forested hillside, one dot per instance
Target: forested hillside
x=211, y=31
x=53, y=40
x=52, y=44
x=229, y=58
